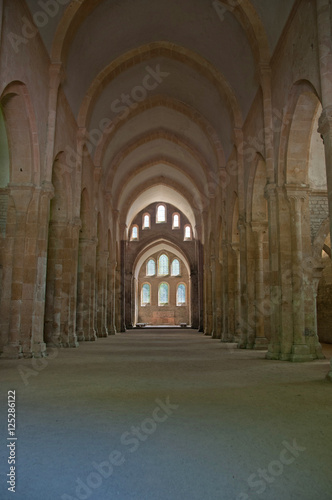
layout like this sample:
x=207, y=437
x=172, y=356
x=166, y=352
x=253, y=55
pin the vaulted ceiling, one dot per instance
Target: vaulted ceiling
x=170, y=78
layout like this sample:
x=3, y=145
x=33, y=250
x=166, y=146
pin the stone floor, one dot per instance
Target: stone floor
x=168, y=414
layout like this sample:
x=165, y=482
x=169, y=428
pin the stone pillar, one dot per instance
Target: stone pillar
x=123, y=285
x=325, y=122
x=239, y=331
x=201, y=286
x=260, y=230
x=194, y=299
x=311, y=323
x=300, y=350
x=111, y=297
x=22, y=198
x=86, y=290
x=213, y=296
x=225, y=334
x=101, y=279
x=219, y=298
x=275, y=291
x=129, y=299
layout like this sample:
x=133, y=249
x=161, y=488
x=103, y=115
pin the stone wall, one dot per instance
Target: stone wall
x=319, y=211
x=324, y=305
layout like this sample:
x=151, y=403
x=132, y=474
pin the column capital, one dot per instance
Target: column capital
x=296, y=192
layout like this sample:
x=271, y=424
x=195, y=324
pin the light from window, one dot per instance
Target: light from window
x=146, y=293
x=146, y=221
x=181, y=295
x=175, y=271
x=176, y=221
x=163, y=266
x=163, y=294
x=151, y=268
x=161, y=213
x=187, y=233
x=134, y=233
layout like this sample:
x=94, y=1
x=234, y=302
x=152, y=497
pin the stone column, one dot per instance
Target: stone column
x=325, y=122
x=311, y=323
x=271, y=196
x=260, y=230
x=194, y=299
x=300, y=350
x=239, y=333
x=22, y=198
x=111, y=297
x=213, y=296
x=101, y=278
x=86, y=287
x=225, y=334
x=208, y=326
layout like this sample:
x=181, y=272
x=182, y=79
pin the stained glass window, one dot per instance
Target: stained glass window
x=134, y=233
x=187, y=232
x=146, y=221
x=163, y=294
x=176, y=221
x=151, y=268
x=181, y=295
x=175, y=267
x=146, y=293
x=163, y=267
x=161, y=213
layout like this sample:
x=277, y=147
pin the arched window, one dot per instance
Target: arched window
x=181, y=295
x=151, y=268
x=176, y=221
x=134, y=233
x=146, y=294
x=175, y=269
x=161, y=213
x=187, y=232
x=146, y=221
x=163, y=294
x=163, y=265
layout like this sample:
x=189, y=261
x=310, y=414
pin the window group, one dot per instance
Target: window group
x=161, y=217
x=163, y=294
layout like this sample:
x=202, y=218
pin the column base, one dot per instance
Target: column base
x=319, y=352
x=80, y=336
x=112, y=330
x=39, y=350
x=91, y=337
x=261, y=344
x=329, y=375
x=12, y=351
x=300, y=353
x=273, y=352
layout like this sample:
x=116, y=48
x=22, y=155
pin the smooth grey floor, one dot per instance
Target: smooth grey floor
x=227, y=432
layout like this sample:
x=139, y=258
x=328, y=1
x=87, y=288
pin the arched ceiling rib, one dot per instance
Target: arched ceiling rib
x=244, y=10
x=149, y=146
x=153, y=53
x=116, y=134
